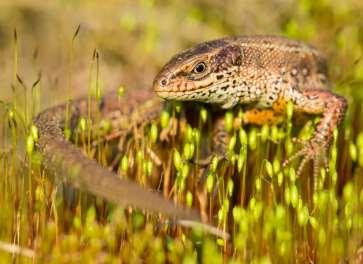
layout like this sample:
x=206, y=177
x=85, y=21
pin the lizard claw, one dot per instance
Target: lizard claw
x=311, y=150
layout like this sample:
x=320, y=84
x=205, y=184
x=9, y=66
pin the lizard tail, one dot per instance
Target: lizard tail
x=64, y=160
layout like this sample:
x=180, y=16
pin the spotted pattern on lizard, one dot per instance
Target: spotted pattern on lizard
x=258, y=71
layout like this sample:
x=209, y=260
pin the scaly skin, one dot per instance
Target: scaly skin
x=263, y=72
x=68, y=163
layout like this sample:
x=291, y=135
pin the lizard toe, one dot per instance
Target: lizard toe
x=311, y=150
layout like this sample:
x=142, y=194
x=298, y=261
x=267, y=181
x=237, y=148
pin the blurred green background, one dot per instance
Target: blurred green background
x=135, y=37
x=40, y=40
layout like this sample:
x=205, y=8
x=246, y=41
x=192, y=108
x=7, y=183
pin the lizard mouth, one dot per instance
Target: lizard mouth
x=162, y=94
x=170, y=94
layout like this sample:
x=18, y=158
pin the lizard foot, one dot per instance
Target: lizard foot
x=311, y=150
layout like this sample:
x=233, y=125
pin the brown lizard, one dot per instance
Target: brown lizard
x=264, y=72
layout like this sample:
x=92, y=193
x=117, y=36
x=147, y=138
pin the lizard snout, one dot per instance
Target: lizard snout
x=160, y=83
x=162, y=86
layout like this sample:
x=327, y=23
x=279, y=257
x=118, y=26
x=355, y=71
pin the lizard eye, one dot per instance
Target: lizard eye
x=200, y=67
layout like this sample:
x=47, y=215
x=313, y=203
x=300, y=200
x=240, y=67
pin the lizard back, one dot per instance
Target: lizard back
x=287, y=58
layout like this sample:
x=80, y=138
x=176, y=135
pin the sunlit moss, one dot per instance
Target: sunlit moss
x=268, y=209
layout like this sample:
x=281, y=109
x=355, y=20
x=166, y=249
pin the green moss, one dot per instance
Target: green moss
x=272, y=214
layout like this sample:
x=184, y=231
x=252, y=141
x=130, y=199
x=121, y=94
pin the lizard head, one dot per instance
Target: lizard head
x=202, y=73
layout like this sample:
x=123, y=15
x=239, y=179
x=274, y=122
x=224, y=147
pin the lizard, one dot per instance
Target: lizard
x=263, y=72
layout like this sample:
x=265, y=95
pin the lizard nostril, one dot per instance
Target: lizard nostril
x=163, y=82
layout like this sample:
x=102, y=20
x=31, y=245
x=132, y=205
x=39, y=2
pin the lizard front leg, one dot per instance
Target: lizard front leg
x=332, y=107
x=219, y=138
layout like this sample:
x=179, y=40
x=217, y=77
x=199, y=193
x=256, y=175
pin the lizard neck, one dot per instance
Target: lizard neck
x=239, y=87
